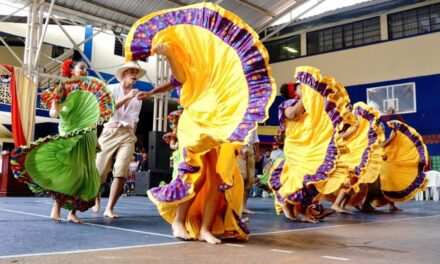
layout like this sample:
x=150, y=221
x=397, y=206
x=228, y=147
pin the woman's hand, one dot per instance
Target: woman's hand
x=163, y=50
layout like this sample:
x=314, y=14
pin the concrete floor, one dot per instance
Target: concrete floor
x=141, y=236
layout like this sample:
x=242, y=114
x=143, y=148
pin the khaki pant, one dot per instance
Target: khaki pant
x=119, y=141
x=246, y=164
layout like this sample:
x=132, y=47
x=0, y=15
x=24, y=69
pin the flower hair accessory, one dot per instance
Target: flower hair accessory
x=66, y=68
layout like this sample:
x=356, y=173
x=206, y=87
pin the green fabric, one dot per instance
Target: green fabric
x=67, y=165
x=176, y=161
x=79, y=111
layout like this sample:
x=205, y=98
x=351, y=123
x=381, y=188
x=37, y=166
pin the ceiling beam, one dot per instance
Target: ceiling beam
x=288, y=7
x=256, y=7
x=176, y=2
x=90, y=17
x=111, y=9
x=281, y=27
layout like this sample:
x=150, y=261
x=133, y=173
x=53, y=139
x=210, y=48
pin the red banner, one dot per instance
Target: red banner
x=17, y=129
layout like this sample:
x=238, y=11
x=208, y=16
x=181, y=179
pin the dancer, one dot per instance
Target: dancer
x=171, y=139
x=364, y=157
x=63, y=165
x=226, y=90
x=314, y=112
x=402, y=173
x=119, y=134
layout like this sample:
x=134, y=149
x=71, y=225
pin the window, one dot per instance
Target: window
x=12, y=40
x=284, y=49
x=344, y=36
x=397, y=98
x=119, y=46
x=120, y=49
x=57, y=51
x=414, y=22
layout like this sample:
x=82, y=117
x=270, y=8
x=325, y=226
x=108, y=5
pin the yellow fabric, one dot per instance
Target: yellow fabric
x=308, y=138
x=402, y=164
x=358, y=142
x=217, y=166
x=215, y=98
x=215, y=93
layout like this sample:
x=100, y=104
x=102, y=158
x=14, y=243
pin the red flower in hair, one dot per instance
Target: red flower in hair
x=65, y=68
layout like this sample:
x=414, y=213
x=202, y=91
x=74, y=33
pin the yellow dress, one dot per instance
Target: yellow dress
x=312, y=155
x=364, y=158
x=364, y=152
x=402, y=173
x=228, y=90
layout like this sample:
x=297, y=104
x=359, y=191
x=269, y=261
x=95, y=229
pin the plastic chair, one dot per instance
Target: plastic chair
x=433, y=187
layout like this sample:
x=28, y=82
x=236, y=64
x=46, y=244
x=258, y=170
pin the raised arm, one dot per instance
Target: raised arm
x=157, y=90
x=390, y=139
x=295, y=112
x=175, y=66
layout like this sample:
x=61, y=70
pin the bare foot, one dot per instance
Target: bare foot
x=308, y=220
x=208, y=237
x=179, y=231
x=247, y=211
x=246, y=220
x=287, y=210
x=73, y=218
x=55, y=214
x=110, y=214
x=339, y=209
x=97, y=205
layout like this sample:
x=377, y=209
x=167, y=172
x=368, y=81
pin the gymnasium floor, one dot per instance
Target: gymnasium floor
x=141, y=236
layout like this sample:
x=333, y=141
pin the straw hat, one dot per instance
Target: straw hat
x=129, y=65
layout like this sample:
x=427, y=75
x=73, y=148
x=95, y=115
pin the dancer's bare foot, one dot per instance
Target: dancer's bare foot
x=308, y=220
x=55, y=214
x=208, y=237
x=97, y=205
x=72, y=217
x=110, y=214
x=247, y=211
x=179, y=231
x=339, y=209
x=288, y=212
x=246, y=220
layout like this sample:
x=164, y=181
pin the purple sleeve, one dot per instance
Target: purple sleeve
x=281, y=108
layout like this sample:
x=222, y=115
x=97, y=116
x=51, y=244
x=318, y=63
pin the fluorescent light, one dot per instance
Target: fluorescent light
x=291, y=50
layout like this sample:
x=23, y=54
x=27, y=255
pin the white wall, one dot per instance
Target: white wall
x=391, y=60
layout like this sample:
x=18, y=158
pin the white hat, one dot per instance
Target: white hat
x=129, y=65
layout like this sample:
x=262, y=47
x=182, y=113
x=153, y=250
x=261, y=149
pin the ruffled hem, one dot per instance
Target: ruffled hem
x=182, y=189
x=363, y=172
x=420, y=181
x=336, y=99
x=18, y=158
x=232, y=31
x=90, y=84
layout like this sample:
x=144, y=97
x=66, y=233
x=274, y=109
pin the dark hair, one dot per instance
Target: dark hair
x=284, y=89
x=70, y=64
